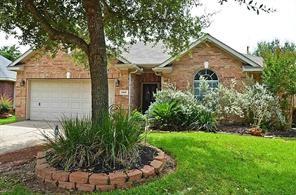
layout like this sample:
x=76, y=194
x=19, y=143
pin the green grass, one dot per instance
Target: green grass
x=4, y=121
x=224, y=164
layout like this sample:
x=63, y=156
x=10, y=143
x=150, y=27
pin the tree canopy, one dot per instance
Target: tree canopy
x=279, y=73
x=10, y=52
x=280, y=66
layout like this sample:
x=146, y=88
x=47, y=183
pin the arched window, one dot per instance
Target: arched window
x=210, y=77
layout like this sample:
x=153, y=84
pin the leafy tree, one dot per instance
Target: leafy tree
x=279, y=73
x=87, y=25
x=10, y=52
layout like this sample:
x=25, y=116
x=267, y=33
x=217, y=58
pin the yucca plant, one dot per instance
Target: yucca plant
x=112, y=142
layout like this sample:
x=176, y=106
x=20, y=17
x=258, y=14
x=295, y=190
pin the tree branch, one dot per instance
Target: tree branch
x=109, y=11
x=54, y=33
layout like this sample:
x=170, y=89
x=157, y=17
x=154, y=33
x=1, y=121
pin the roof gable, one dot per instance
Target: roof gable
x=244, y=58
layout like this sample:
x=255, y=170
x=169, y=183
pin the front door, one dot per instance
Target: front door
x=148, y=95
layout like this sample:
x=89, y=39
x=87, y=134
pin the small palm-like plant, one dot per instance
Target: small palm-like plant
x=5, y=104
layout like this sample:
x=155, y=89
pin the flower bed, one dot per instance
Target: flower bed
x=89, y=182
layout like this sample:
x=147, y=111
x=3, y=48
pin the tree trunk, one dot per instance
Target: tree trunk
x=97, y=59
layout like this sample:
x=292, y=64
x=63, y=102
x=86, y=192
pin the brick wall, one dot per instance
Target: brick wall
x=135, y=91
x=223, y=64
x=7, y=89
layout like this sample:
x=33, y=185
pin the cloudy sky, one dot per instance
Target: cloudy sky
x=236, y=26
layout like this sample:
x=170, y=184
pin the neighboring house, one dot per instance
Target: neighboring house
x=7, y=78
x=49, y=88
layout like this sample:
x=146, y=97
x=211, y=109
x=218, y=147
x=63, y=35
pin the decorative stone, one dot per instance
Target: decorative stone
x=134, y=175
x=160, y=156
x=158, y=165
x=105, y=188
x=148, y=171
x=99, y=179
x=41, y=155
x=50, y=182
x=41, y=161
x=124, y=185
x=60, y=176
x=85, y=187
x=117, y=177
x=79, y=177
x=67, y=185
x=46, y=173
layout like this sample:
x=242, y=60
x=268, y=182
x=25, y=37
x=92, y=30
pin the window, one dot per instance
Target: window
x=210, y=77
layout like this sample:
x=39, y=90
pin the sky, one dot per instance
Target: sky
x=235, y=25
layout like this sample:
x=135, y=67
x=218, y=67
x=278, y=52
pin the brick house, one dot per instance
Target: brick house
x=48, y=88
x=7, y=79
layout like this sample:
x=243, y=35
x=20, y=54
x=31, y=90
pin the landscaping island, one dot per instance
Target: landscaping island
x=89, y=182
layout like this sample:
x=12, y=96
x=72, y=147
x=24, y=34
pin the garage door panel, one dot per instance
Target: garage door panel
x=55, y=99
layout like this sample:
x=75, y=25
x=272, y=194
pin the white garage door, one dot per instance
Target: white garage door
x=53, y=99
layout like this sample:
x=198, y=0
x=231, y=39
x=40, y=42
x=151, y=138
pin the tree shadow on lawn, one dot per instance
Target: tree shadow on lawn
x=218, y=165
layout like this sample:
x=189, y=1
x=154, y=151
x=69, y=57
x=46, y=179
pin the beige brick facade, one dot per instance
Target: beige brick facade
x=43, y=66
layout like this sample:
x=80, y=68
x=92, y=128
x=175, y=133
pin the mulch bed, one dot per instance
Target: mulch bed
x=146, y=154
x=19, y=168
x=240, y=129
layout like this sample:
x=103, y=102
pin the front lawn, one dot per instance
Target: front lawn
x=8, y=120
x=223, y=164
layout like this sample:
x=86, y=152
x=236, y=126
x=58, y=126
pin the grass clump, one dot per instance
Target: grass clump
x=111, y=143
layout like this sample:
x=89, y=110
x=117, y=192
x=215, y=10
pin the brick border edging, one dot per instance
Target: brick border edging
x=89, y=182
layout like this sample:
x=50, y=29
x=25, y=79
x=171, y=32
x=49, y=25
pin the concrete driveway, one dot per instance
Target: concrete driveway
x=23, y=134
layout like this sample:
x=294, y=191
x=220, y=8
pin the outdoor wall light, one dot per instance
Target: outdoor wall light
x=68, y=75
x=117, y=82
x=22, y=83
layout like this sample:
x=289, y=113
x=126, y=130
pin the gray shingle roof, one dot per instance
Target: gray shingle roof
x=144, y=54
x=257, y=59
x=5, y=74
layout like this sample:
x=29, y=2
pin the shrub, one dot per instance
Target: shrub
x=261, y=107
x=114, y=142
x=5, y=104
x=165, y=116
x=175, y=110
x=226, y=102
x=255, y=105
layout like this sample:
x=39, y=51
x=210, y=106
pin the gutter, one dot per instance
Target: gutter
x=159, y=70
x=252, y=69
x=16, y=68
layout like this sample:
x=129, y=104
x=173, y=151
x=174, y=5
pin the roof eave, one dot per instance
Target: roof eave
x=16, y=68
x=162, y=69
x=128, y=67
x=252, y=69
x=7, y=79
